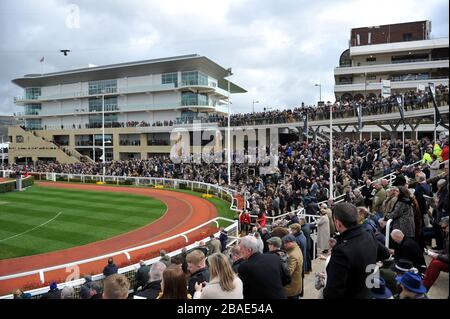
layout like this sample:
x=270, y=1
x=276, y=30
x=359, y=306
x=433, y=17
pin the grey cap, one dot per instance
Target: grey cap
x=275, y=241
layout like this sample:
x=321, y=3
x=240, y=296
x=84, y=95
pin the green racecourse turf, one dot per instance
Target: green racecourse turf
x=86, y=216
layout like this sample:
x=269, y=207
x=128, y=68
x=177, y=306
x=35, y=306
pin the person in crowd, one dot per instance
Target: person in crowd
x=173, y=284
x=300, y=238
x=68, y=293
x=141, y=277
x=354, y=251
x=391, y=268
x=378, y=199
x=20, y=294
x=358, y=199
x=236, y=258
x=275, y=247
x=110, y=268
x=411, y=286
x=214, y=245
x=323, y=231
x=261, y=274
x=307, y=230
x=224, y=282
x=391, y=198
x=294, y=289
x=402, y=215
x=408, y=249
x=164, y=258
x=439, y=259
x=198, y=271
x=53, y=293
x=152, y=288
x=116, y=286
x=379, y=289
x=223, y=239
x=203, y=248
x=245, y=221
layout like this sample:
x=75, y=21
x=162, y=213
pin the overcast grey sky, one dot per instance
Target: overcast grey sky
x=278, y=49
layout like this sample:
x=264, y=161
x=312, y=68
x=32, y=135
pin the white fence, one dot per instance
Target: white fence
x=232, y=229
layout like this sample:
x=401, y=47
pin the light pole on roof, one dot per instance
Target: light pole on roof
x=253, y=108
x=230, y=73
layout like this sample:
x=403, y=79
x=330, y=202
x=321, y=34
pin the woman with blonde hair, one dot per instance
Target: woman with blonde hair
x=173, y=284
x=223, y=283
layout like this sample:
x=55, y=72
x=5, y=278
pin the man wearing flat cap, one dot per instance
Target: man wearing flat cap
x=295, y=266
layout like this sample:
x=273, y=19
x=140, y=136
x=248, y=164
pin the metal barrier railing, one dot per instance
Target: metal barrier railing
x=232, y=230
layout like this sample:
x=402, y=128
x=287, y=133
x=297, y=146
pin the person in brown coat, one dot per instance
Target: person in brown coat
x=295, y=265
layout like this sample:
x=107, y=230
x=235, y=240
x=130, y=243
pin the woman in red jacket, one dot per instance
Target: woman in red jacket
x=245, y=220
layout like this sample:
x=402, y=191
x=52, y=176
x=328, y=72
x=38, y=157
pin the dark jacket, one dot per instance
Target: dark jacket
x=443, y=256
x=110, y=269
x=346, y=271
x=261, y=277
x=151, y=290
x=236, y=264
x=410, y=250
x=141, y=277
x=223, y=240
x=52, y=294
x=201, y=275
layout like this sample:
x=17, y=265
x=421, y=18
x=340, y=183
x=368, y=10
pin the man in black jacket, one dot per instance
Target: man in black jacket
x=355, y=250
x=199, y=273
x=408, y=249
x=261, y=274
x=110, y=268
x=152, y=289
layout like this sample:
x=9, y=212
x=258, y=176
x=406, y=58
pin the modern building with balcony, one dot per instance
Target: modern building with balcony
x=404, y=53
x=63, y=111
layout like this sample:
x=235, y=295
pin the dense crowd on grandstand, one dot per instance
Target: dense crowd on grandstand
x=371, y=105
x=272, y=258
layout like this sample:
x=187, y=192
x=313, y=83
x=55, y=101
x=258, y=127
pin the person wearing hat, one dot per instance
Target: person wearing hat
x=275, y=247
x=411, y=286
x=440, y=260
x=53, y=293
x=379, y=289
x=391, y=269
x=294, y=290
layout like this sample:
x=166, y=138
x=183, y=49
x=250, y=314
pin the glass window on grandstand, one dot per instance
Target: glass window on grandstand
x=102, y=86
x=95, y=121
x=33, y=124
x=167, y=78
x=193, y=78
x=189, y=98
x=32, y=93
x=158, y=139
x=95, y=104
x=32, y=109
x=19, y=139
x=129, y=139
x=99, y=140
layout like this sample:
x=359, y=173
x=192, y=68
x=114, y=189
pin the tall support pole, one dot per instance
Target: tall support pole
x=229, y=131
x=103, y=135
x=403, y=140
x=434, y=124
x=331, y=154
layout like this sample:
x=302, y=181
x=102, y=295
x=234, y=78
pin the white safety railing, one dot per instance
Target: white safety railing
x=231, y=229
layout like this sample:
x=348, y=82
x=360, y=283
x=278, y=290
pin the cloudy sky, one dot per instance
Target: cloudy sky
x=278, y=49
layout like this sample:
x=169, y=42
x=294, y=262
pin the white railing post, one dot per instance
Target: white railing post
x=388, y=232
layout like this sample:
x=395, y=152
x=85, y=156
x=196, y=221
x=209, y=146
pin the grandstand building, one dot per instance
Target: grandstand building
x=141, y=100
x=404, y=54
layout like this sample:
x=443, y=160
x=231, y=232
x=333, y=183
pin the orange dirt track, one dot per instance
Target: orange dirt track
x=184, y=212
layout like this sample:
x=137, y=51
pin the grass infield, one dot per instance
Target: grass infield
x=44, y=219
